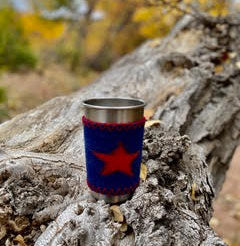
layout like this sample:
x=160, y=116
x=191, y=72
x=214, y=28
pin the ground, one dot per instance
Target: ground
x=226, y=220
x=26, y=90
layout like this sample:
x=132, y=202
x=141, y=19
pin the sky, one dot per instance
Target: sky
x=21, y=5
x=81, y=7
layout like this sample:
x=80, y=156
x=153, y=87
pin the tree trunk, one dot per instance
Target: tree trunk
x=191, y=80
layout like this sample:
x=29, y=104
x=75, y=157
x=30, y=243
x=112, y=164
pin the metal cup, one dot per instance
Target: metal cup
x=112, y=110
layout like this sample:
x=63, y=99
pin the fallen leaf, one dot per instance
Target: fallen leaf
x=42, y=228
x=143, y=171
x=194, y=188
x=19, y=238
x=227, y=241
x=19, y=223
x=155, y=43
x=214, y=222
x=232, y=55
x=3, y=231
x=124, y=227
x=238, y=64
x=237, y=215
x=229, y=198
x=152, y=123
x=218, y=69
x=148, y=113
x=117, y=214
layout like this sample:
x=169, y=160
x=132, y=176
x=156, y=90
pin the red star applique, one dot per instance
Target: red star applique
x=119, y=160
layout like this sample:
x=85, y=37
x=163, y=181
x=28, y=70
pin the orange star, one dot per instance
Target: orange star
x=119, y=160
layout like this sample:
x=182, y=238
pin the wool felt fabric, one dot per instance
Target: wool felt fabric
x=113, y=155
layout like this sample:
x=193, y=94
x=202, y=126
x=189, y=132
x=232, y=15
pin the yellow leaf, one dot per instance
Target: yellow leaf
x=153, y=44
x=238, y=64
x=143, y=171
x=232, y=55
x=19, y=238
x=230, y=242
x=3, y=231
x=124, y=227
x=214, y=222
x=218, y=69
x=194, y=188
x=117, y=214
x=148, y=113
x=237, y=212
x=152, y=123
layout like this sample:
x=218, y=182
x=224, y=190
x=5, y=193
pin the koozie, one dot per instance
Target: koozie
x=113, y=155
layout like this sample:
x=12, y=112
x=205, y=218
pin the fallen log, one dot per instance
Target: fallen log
x=191, y=81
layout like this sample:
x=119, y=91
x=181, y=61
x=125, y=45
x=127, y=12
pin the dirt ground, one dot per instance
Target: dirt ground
x=226, y=219
x=27, y=90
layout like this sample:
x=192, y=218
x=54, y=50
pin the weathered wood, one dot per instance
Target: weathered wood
x=42, y=170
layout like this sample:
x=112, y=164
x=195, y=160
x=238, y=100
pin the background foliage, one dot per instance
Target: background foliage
x=88, y=34
x=15, y=52
x=3, y=106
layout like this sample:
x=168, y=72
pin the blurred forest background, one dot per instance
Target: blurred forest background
x=54, y=47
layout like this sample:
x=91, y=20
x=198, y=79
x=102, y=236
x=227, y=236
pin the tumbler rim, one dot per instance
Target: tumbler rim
x=89, y=103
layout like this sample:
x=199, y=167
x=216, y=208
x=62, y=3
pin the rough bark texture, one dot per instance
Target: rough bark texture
x=191, y=79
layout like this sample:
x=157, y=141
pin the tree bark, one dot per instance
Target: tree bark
x=191, y=80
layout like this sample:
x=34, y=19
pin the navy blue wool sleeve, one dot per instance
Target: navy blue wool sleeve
x=113, y=155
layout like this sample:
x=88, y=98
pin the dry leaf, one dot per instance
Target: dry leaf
x=19, y=238
x=238, y=64
x=155, y=43
x=237, y=212
x=42, y=228
x=3, y=231
x=148, y=113
x=152, y=123
x=232, y=55
x=214, y=222
x=194, y=188
x=124, y=227
x=237, y=215
x=228, y=242
x=218, y=69
x=229, y=198
x=143, y=171
x=117, y=214
x=19, y=223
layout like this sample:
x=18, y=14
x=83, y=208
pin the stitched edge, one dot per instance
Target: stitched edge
x=113, y=192
x=113, y=126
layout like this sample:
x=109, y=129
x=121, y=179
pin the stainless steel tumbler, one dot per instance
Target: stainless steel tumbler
x=113, y=135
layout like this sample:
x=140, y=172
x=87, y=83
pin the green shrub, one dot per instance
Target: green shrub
x=3, y=95
x=15, y=52
x=3, y=104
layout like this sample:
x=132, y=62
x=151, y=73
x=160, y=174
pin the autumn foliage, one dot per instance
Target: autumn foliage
x=15, y=52
x=86, y=41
